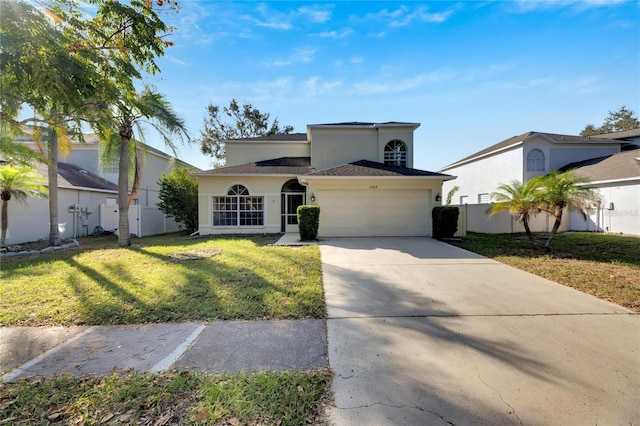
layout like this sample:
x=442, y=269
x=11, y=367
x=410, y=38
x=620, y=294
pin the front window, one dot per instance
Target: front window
x=395, y=153
x=535, y=161
x=238, y=208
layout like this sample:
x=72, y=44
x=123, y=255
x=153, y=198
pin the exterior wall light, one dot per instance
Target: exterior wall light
x=313, y=197
x=438, y=197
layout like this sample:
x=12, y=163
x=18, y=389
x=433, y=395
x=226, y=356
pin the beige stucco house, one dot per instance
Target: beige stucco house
x=360, y=174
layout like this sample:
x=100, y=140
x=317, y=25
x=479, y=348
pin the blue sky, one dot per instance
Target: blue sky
x=471, y=72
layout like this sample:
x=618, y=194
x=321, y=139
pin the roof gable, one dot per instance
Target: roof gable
x=521, y=139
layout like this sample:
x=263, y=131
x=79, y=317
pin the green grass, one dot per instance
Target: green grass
x=289, y=398
x=169, y=278
x=607, y=266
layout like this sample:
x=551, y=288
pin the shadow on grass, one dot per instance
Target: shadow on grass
x=571, y=245
x=245, y=283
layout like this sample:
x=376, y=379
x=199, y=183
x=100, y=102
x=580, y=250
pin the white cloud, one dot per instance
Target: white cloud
x=525, y=6
x=356, y=60
x=304, y=56
x=315, y=13
x=314, y=86
x=404, y=16
x=177, y=61
x=398, y=85
x=336, y=34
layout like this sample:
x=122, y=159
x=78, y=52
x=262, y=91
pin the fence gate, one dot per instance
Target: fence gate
x=109, y=219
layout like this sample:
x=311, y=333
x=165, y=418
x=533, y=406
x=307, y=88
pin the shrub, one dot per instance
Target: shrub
x=308, y=222
x=445, y=221
x=179, y=197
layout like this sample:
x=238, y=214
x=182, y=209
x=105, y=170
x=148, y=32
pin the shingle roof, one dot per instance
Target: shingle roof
x=366, y=168
x=284, y=137
x=365, y=124
x=554, y=137
x=70, y=175
x=623, y=165
x=621, y=135
x=279, y=166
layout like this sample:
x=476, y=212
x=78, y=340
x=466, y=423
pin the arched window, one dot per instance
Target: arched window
x=395, y=153
x=238, y=208
x=535, y=161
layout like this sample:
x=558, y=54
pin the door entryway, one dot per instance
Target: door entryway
x=293, y=196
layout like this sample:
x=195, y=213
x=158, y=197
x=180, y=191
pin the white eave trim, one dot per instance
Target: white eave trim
x=261, y=175
x=85, y=188
x=305, y=178
x=604, y=182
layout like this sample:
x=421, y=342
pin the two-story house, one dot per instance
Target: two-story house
x=608, y=161
x=360, y=174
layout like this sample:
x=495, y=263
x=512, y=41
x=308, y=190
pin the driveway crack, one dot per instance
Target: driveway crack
x=512, y=410
x=424, y=410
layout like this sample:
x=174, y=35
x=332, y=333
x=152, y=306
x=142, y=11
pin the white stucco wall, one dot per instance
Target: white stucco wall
x=30, y=222
x=268, y=187
x=478, y=220
x=623, y=218
x=483, y=177
x=248, y=152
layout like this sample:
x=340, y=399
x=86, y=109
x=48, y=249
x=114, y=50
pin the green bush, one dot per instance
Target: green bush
x=308, y=222
x=445, y=221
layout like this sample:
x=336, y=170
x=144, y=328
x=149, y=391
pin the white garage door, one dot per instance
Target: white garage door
x=374, y=213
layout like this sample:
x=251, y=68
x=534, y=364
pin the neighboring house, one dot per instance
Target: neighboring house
x=80, y=195
x=521, y=158
x=145, y=219
x=360, y=174
x=617, y=178
x=535, y=153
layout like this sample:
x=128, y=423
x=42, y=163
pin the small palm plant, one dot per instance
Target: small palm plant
x=520, y=199
x=19, y=183
x=562, y=190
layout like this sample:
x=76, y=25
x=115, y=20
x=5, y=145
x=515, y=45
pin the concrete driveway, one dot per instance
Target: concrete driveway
x=424, y=333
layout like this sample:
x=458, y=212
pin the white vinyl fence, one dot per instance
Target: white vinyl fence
x=143, y=221
x=474, y=218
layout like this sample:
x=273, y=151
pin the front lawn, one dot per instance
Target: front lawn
x=169, y=278
x=288, y=398
x=607, y=266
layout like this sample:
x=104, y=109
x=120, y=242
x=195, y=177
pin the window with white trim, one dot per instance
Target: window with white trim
x=483, y=198
x=395, y=153
x=535, y=161
x=238, y=208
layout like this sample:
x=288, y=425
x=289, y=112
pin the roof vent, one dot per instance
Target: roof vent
x=83, y=171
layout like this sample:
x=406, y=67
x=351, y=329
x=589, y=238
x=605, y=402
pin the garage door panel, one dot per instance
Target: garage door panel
x=379, y=213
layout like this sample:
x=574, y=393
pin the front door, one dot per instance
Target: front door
x=292, y=201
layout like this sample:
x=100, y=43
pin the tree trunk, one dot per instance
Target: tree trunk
x=124, y=235
x=528, y=230
x=52, y=148
x=5, y=218
x=555, y=228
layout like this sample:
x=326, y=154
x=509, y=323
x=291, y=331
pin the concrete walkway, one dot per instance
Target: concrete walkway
x=221, y=346
x=423, y=333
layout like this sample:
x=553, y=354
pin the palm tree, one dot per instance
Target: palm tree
x=519, y=199
x=561, y=190
x=150, y=108
x=19, y=183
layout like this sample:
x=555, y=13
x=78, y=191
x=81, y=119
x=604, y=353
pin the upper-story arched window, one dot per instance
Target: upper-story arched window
x=535, y=161
x=395, y=153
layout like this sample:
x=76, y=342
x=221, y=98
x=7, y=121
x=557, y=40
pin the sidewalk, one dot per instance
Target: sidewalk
x=217, y=347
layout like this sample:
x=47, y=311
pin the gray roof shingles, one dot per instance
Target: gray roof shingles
x=366, y=168
x=301, y=166
x=623, y=165
x=70, y=175
x=294, y=166
x=284, y=137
